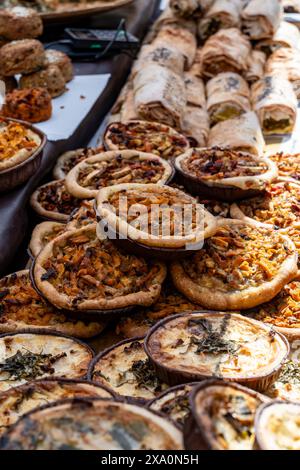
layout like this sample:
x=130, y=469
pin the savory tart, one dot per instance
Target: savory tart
x=31, y=355
x=77, y=271
x=69, y=159
x=149, y=137
x=154, y=216
x=42, y=234
x=22, y=307
x=282, y=312
x=169, y=302
x=92, y=424
x=53, y=201
x=288, y=166
x=279, y=207
x=240, y=267
x=17, y=401
x=287, y=385
x=116, y=167
x=224, y=174
x=126, y=369
x=195, y=346
x=222, y=417
x=174, y=403
x=277, y=426
x=17, y=143
x=82, y=216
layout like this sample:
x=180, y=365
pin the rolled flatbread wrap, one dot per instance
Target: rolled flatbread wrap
x=228, y=96
x=242, y=134
x=291, y=6
x=285, y=62
x=159, y=95
x=181, y=39
x=195, y=90
x=225, y=51
x=287, y=35
x=221, y=15
x=256, y=66
x=185, y=8
x=161, y=54
x=196, y=125
x=261, y=18
x=196, y=68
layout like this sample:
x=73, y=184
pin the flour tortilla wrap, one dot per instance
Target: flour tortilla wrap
x=196, y=125
x=275, y=104
x=242, y=134
x=167, y=18
x=196, y=68
x=221, y=15
x=225, y=51
x=159, y=95
x=261, y=18
x=185, y=8
x=195, y=90
x=161, y=54
x=286, y=63
x=227, y=97
x=181, y=39
x=287, y=35
x=256, y=65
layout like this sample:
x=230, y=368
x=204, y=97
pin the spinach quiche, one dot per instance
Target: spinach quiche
x=18, y=401
x=288, y=166
x=277, y=426
x=149, y=137
x=194, y=346
x=116, y=167
x=222, y=417
x=225, y=174
x=77, y=271
x=126, y=369
x=240, y=267
x=22, y=307
x=69, y=159
x=82, y=216
x=17, y=143
x=53, y=201
x=29, y=355
x=282, y=312
x=42, y=234
x=174, y=403
x=280, y=206
x=92, y=424
x=154, y=216
x=287, y=385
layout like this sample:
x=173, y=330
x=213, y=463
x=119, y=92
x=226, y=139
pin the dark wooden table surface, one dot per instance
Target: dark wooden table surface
x=16, y=219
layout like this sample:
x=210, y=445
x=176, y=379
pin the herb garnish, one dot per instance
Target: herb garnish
x=29, y=365
x=290, y=373
x=145, y=375
x=212, y=341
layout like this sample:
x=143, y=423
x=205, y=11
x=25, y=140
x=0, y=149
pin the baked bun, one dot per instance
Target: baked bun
x=31, y=104
x=24, y=56
x=20, y=23
x=62, y=61
x=50, y=78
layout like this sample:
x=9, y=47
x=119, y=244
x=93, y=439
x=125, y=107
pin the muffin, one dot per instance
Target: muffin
x=24, y=56
x=31, y=104
x=62, y=61
x=50, y=78
x=20, y=23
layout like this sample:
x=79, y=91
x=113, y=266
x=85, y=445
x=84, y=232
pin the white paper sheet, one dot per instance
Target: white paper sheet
x=71, y=108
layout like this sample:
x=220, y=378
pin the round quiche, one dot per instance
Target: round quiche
x=150, y=215
x=77, y=271
x=116, y=167
x=222, y=173
x=279, y=207
x=69, y=159
x=149, y=137
x=277, y=426
x=92, y=424
x=196, y=346
x=53, y=201
x=288, y=166
x=222, y=416
x=240, y=267
x=126, y=369
x=17, y=143
x=22, y=307
x=18, y=401
x=42, y=234
x=29, y=355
